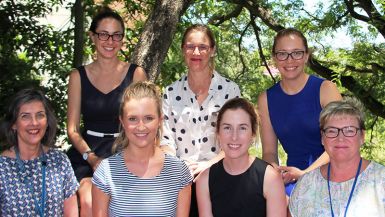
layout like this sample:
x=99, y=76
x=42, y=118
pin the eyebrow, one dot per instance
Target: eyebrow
x=242, y=124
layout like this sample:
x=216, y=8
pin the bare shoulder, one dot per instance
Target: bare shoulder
x=329, y=92
x=262, y=101
x=272, y=174
x=203, y=177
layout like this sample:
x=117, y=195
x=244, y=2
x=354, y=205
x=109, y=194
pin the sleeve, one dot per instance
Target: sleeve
x=185, y=176
x=168, y=123
x=70, y=184
x=294, y=200
x=101, y=177
x=234, y=91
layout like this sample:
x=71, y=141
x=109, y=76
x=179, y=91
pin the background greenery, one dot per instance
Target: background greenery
x=36, y=54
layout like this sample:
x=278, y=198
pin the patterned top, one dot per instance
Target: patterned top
x=16, y=198
x=134, y=196
x=189, y=128
x=311, y=198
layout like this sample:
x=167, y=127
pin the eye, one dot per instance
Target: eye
x=40, y=115
x=132, y=119
x=149, y=118
x=25, y=116
x=203, y=47
x=103, y=34
x=243, y=128
x=189, y=47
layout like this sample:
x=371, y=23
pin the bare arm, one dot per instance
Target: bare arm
x=139, y=74
x=73, y=118
x=203, y=194
x=100, y=202
x=71, y=206
x=268, y=136
x=184, y=199
x=274, y=193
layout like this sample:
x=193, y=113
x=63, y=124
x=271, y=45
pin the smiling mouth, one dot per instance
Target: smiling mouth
x=33, y=132
x=234, y=146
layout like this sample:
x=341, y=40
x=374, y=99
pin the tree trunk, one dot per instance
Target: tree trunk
x=157, y=35
x=78, y=12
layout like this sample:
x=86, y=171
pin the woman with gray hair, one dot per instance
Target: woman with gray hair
x=349, y=185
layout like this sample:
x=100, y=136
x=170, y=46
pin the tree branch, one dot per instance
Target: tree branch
x=219, y=19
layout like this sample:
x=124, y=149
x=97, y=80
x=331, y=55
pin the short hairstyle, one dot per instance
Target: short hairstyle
x=207, y=31
x=348, y=106
x=289, y=31
x=240, y=103
x=105, y=12
x=23, y=97
x=139, y=90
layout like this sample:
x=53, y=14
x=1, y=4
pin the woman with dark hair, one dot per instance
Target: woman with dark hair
x=289, y=110
x=94, y=91
x=240, y=185
x=140, y=179
x=35, y=178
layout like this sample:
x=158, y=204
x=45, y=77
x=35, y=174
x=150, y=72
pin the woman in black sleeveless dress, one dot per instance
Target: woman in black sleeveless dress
x=94, y=93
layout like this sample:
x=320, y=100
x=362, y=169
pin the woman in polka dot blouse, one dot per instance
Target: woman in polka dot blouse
x=191, y=104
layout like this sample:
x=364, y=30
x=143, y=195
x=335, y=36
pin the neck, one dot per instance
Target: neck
x=29, y=152
x=344, y=171
x=139, y=154
x=107, y=65
x=199, y=83
x=237, y=166
x=293, y=86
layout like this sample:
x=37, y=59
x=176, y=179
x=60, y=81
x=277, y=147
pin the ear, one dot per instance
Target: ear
x=362, y=140
x=213, y=50
x=92, y=36
x=121, y=121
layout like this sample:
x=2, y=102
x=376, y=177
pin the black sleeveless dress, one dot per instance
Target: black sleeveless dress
x=238, y=195
x=100, y=113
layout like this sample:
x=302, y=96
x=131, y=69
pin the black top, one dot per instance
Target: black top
x=101, y=111
x=238, y=195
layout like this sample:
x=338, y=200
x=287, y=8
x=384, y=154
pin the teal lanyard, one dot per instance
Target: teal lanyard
x=351, y=192
x=39, y=208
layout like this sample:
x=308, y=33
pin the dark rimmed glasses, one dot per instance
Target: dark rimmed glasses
x=333, y=132
x=201, y=47
x=295, y=55
x=104, y=36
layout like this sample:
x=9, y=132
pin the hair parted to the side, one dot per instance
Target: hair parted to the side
x=245, y=105
x=348, y=106
x=287, y=32
x=23, y=97
x=139, y=90
x=103, y=13
x=207, y=31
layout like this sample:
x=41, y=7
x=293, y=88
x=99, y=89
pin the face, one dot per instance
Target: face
x=290, y=68
x=31, y=124
x=342, y=148
x=235, y=133
x=140, y=121
x=197, y=51
x=110, y=47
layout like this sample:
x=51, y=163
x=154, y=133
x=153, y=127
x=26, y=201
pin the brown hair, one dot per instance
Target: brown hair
x=290, y=31
x=23, y=97
x=240, y=103
x=207, y=31
x=139, y=90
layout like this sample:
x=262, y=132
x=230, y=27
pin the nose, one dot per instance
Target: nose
x=34, y=120
x=234, y=135
x=196, y=51
x=140, y=126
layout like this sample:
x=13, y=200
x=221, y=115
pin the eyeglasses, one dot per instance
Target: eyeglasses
x=191, y=48
x=296, y=55
x=103, y=36
x=332, y=132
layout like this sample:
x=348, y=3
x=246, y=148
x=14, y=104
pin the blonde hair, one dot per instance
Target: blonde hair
x=137, y=90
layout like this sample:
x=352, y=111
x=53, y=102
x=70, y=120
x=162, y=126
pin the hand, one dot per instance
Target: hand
x=197, y=167
x=290, y=174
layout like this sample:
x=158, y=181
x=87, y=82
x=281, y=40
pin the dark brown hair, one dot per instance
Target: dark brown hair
x=290, y=31
x=239, y=103
x=23, y=97
x=105, y=12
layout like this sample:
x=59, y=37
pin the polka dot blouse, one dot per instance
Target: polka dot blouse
x=189, y=128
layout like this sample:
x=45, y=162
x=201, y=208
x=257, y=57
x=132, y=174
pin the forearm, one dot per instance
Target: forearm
x=323, y=159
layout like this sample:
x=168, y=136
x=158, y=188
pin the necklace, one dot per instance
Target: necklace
x=351, y=191
x=38, y=208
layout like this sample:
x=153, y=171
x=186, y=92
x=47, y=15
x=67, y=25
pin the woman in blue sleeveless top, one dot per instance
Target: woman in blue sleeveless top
x=94, y=91
x=290, y=109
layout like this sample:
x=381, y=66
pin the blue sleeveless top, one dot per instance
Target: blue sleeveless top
x=295, y=120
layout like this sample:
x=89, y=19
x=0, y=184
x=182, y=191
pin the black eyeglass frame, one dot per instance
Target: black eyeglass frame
x=343, y=130
x=289, y=54
x=120, y=35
